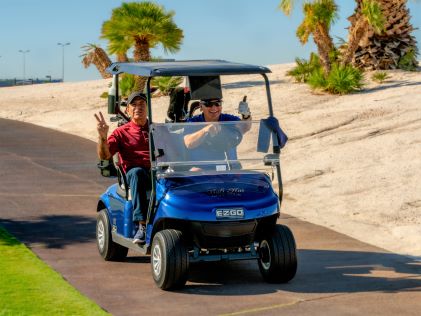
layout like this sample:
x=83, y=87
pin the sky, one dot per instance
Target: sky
x=248, y=31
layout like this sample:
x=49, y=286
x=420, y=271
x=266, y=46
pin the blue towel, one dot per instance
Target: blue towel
x=273, y=123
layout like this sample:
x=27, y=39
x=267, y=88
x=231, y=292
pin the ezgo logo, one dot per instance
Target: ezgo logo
x=229, y=213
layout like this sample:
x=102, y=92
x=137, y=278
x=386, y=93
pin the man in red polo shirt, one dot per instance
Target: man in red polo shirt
x=131, y=142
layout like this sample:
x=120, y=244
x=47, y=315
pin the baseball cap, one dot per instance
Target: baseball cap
x=210, y=100
x=135, y=95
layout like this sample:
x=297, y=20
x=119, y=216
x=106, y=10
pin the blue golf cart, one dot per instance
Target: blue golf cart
x=214, y=202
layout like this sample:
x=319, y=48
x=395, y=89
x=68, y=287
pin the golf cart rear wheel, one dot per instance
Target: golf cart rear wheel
x=108, y=249
x=169, y=259
x=278, y=258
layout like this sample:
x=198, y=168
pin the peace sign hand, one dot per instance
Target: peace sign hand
x=101, y=126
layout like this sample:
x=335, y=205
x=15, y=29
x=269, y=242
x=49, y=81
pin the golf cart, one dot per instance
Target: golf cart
x=212, y=202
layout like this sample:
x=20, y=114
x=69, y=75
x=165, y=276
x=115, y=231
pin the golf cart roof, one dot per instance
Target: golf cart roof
x=186, y=68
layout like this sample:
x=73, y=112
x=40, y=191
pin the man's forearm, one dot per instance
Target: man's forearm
x=195, y=139
x=103, y=149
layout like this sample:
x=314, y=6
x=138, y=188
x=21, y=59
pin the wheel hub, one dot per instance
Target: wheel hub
x=156, y=260
x=101, y=235
x=265, y=257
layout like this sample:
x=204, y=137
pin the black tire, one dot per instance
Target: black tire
x=169, y=259
x=278, y=255
x=108, y=249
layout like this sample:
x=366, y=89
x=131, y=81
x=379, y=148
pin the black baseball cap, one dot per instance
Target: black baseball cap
x=135, y=95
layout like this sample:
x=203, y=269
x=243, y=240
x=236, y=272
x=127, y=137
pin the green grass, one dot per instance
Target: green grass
x=30, y=287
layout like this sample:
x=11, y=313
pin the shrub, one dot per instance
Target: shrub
x=380, y=76
x=304, y=68
x=408, y=61
x=166, y=84
x=340, y=80
x=317, y=79
x=344, y=79
x=299, y=72
x=126, y=85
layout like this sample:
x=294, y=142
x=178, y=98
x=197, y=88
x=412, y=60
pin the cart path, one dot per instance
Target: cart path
x=48, y=193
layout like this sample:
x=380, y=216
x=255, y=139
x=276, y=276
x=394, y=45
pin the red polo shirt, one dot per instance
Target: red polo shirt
x=131, y=141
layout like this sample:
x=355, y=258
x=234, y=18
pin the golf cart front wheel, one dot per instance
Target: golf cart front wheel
x=278, y=257
x=108, y=249
x=169, y=259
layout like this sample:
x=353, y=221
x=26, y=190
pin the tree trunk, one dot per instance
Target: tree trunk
x=356, y=34
x=324, y=46
x=385, y=51
x=141, y=53
x=122, y=58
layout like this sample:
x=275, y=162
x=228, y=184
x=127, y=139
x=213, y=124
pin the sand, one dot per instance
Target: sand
x=352, y=163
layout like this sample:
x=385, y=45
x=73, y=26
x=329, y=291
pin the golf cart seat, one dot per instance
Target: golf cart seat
x=193, y=107
x=123, y=185
x=123, y=188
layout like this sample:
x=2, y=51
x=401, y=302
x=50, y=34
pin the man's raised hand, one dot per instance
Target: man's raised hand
x=101, y=126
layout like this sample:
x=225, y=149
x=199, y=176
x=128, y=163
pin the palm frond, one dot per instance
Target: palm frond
x=146, y=20
x=286, y=6
x=372, y=11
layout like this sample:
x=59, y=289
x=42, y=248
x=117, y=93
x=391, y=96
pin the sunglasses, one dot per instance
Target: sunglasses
x=209, y=104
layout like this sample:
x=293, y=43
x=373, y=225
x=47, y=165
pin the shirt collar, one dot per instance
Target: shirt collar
x=144, y=127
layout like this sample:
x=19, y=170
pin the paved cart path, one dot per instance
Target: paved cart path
x=48, y=193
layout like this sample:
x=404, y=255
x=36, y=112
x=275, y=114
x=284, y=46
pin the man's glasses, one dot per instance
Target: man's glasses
x=209, y=104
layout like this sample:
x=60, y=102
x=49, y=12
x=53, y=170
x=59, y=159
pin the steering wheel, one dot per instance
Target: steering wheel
x=228, y=137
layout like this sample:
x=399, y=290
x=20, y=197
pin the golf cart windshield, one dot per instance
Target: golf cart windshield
x=212, y=147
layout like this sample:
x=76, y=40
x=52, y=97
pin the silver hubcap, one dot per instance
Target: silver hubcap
x=101, y=235
x=265, y=257
x=156, y=260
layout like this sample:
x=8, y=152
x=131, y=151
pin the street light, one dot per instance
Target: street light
x=24, y=53
x=62, y=59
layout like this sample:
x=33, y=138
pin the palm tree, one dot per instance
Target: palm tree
x=369, y=16
x=118, y=45
x=96, y=55
x=318, y=17
x=388, y=49
x=143, y=25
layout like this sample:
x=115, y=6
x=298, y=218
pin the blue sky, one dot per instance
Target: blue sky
x=238, y=30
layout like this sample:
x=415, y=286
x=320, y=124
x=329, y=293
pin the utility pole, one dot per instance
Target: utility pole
x=62, y=59
x=24, y=54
